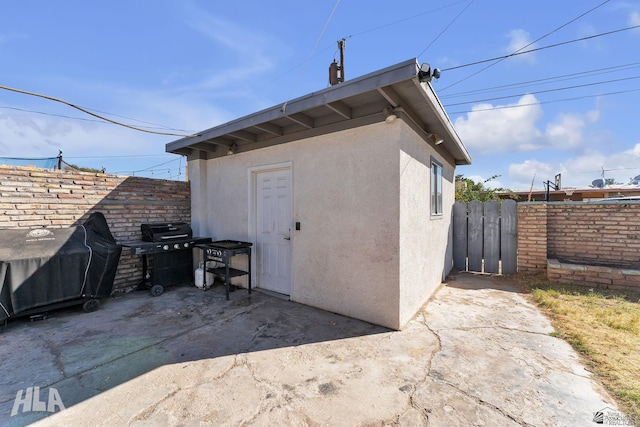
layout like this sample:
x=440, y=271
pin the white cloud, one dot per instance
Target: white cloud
x=247, y=53
x=634, y=18
x=501, y=129
x=24, y=134
x=519, y=39
x=578, y=171
x=521, y=175
x=514, y=127
x=567, y=131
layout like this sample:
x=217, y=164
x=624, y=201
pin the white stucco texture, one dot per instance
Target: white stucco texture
x=368, y=246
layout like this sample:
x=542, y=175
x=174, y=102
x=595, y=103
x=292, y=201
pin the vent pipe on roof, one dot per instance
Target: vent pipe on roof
x=336, y=71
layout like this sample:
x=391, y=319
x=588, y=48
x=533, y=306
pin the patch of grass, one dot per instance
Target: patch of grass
x=603, y=326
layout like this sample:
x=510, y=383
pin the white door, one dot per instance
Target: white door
x=273, y=230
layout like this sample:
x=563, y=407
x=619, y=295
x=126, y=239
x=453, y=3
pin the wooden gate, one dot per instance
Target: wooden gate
x=485, y=237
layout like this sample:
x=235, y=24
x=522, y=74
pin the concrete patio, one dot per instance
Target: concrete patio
x=477, y=354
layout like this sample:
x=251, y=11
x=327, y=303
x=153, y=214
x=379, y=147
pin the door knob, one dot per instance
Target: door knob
x=287, y=238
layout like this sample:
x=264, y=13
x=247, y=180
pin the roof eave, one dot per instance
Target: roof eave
x=211, y=140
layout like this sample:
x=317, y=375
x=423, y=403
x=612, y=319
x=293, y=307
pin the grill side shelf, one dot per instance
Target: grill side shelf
x=223, y=251
x=233, y=272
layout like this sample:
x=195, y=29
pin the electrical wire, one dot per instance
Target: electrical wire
x=543, y=91
x=520, y=51
x=407, y=19
x=150, y=167
x=128, y=156
x=546, y=80
x=446, y=28
x=155, y=125
x=292, y=69
x=504, y=107
x=51, y=98
x=541, y=48
x=51, y=114
x=284, y=106
x=80, y=118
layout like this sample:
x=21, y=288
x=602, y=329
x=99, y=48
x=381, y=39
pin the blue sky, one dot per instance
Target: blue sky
x=184, y=66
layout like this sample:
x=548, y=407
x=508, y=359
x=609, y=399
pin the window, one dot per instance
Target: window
x=436, y=188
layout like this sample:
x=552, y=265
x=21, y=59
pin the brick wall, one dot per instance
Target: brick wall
x=594, y=244
x=31, y=197
x=603, y=234
x=532, y=237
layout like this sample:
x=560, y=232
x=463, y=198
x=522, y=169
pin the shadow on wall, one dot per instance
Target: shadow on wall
x=133, y=202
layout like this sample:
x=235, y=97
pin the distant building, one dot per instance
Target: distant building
x=579, y=194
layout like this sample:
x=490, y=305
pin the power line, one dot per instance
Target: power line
x=127, y=156
x=520, y=51
x=407, y=19
x=543, y=91
x=446, y=28
x=51, y=98
x=51, y=114
x=542, y=48
x=280, y=75
x=82, y=118
x=157, y=125
x=151, y=167
x=562, y=77
x=504, y=107
x=284, y=106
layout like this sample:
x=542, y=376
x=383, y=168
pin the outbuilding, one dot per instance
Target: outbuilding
x=345, y=193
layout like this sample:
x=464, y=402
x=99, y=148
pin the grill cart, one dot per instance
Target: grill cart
x=171, y=245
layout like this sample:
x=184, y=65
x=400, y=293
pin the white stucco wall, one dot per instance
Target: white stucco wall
x=346, y=254
x=367, y=247
x=345, y=257
x=424, y=239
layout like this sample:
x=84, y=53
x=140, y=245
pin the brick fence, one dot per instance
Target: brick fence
x=31, y=197
x=596, y=244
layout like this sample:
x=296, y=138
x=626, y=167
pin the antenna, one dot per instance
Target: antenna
x=336, y=72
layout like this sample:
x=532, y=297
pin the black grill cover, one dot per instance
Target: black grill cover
x=43, y=266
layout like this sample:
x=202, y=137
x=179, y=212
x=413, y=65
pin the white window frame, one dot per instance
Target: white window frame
x=436, y=188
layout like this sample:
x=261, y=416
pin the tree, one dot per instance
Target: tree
x=468, y=190
x=83, y=168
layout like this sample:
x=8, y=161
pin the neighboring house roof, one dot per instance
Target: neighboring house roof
x=354, y=103
x=577, y=194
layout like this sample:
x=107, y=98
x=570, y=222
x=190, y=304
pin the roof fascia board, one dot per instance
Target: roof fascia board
x=396, y=73
x=430, y=96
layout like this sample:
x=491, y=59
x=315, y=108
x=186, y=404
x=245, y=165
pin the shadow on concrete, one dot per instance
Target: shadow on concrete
x=81, y=355
x=478, y=281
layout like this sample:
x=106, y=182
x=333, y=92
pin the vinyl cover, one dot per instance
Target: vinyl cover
x=44, y=266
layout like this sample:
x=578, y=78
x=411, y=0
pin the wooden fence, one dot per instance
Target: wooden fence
x=485, y=237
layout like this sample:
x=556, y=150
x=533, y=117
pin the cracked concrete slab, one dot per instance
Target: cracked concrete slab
x=476, y=354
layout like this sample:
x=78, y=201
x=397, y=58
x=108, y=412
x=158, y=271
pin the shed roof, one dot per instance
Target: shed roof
x=354, y=103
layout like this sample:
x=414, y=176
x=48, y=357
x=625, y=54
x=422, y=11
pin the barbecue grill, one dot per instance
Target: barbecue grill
x=171, y=245
x=222, y=251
